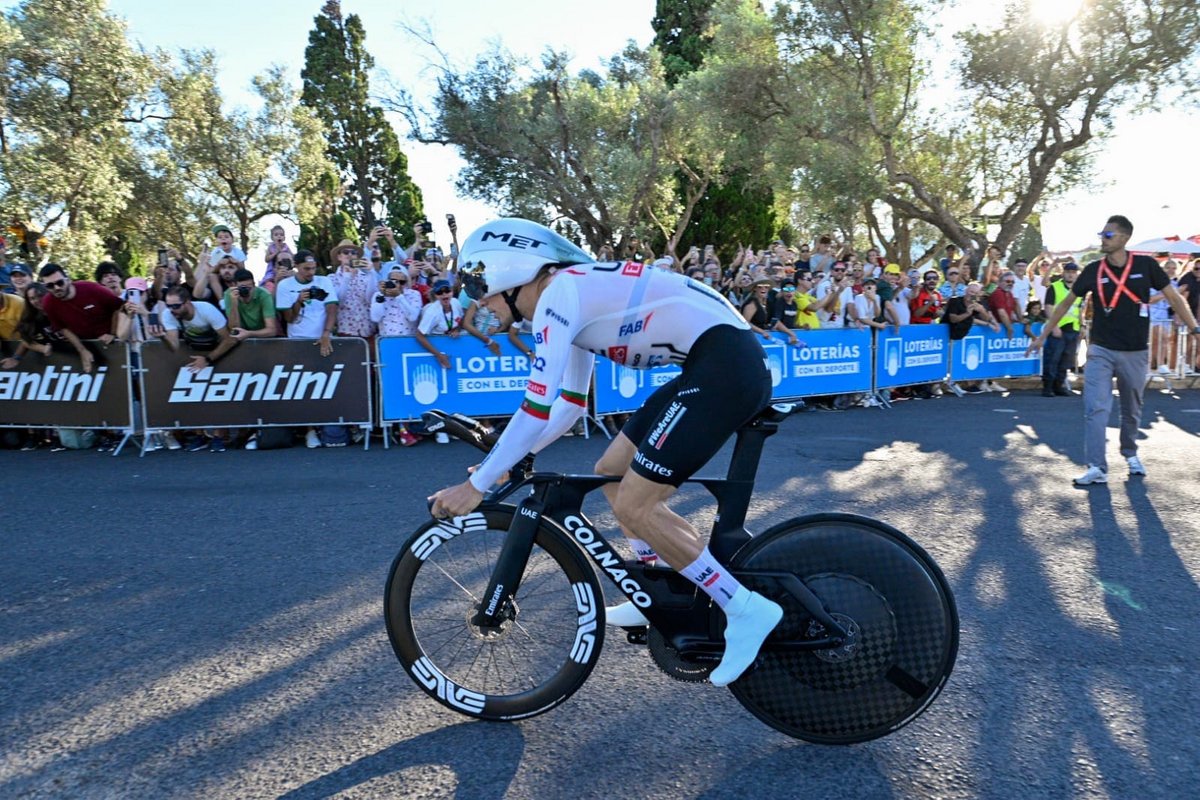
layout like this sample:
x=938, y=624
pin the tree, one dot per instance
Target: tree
x=241, y=163
x=736, y=207
x=361, y=142
x=1033, y=99
x=600, y=150
x=74, y=88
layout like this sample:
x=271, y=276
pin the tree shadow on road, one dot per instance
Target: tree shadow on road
x=482, y=757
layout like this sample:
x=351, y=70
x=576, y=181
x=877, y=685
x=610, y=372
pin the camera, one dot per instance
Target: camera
x=317, y=293
x=389, y=284
x=426, y=227
x=243, y=292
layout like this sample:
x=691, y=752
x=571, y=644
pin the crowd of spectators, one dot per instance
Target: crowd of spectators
x=214, y=304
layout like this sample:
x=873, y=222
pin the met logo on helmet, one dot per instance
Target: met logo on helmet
x=514, y=240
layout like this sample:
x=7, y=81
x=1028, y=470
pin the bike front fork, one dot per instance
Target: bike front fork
x=496, y=606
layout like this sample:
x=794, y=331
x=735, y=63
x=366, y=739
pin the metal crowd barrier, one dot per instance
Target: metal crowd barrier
x=286, y=382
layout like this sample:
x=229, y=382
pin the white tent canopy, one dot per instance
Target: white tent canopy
x=1180, y=248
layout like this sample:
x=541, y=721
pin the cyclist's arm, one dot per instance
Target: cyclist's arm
x=552, y=336
x=571, y=403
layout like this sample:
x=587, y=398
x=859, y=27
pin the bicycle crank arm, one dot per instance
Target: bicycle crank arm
x=797, y=589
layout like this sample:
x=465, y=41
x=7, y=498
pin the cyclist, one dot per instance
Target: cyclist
x=639, y=317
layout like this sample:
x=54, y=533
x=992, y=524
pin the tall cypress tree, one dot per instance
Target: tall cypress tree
x=735, y=211
x=374, y=170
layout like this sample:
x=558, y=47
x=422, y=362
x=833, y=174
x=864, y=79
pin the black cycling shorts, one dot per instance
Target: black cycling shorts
x=685, y=422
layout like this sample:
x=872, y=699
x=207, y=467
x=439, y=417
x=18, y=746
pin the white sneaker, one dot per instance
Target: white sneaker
x=1135, y=466
x=442, y=437
x=749, y=620
x=171, y=442
x=995, y=387
x=252, y=442
x=954, y=387
x=311, y=440
x=1093, y=475
x=1163, y=369
x=625, y=615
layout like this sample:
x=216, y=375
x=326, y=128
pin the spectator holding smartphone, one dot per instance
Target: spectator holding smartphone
x=396, y=307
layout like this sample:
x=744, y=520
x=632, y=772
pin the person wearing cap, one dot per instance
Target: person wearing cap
x=952, y=259
x=954, y=285
x=225, y=247
x=786, y=312
x=356, y=282
x=443, y=316
x=133, y=325
x=19, y=278
x=396, y=307
x=1058, y=359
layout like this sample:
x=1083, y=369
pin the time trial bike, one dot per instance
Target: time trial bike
x=499, y=614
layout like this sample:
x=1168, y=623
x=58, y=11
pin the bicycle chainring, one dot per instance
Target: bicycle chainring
x=673, y=664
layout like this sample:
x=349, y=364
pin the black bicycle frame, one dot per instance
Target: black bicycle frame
x=671, y=602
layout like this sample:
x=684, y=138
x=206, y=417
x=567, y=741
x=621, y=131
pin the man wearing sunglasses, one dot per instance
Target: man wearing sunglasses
x=1120, y=285
x=80, y=310
x=443, y=316
x=397, y=306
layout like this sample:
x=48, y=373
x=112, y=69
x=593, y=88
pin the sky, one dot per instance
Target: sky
x=1143, y=172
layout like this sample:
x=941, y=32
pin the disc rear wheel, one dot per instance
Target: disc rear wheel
x=893, y=601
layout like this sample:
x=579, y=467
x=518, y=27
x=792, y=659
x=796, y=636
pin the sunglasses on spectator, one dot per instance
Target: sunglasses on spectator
x=1010, y=280
x=57, y=283
x=952, y=274
x=1106, y=234
x=174, y=306
x=442, y=291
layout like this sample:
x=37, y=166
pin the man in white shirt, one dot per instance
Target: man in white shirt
x=202, y=326
x=833, y=310
x=1022, y=287
x=443, y=316
x=309, y=304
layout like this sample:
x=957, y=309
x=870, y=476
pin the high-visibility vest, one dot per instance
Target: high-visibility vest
x=1061, y=290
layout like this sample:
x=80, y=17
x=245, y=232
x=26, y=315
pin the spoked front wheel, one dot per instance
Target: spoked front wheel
x=542, y=651
x=890, y=597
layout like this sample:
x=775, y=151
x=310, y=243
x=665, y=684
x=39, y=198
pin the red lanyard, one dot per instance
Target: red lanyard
x=1109, y=305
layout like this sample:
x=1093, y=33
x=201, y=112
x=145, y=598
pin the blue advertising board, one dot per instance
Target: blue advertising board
x=619, y=389
x=983, y=354
x=478, y=382
x=827, y=362
x=915, y=354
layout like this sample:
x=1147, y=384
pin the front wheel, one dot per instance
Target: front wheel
x=894, y=602
x=541, y=653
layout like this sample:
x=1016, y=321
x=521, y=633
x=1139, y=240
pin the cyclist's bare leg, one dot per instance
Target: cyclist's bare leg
x=616, y=461
x=641, y=507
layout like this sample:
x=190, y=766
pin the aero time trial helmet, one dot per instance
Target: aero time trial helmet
x=507, y=253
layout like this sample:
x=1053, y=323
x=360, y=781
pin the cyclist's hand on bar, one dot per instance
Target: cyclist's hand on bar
x=454, y=501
